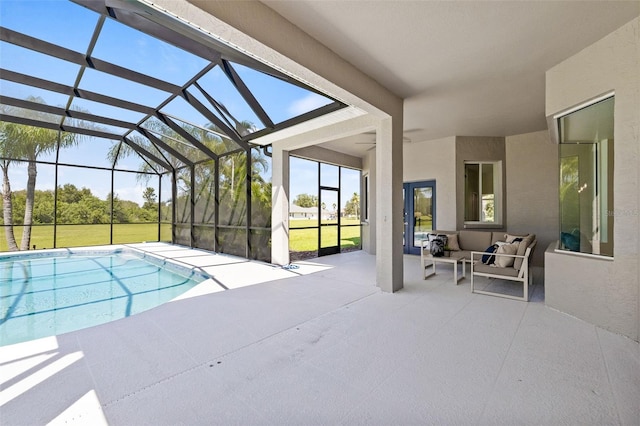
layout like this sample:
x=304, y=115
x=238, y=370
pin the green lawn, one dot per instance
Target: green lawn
x=90, y=235
x=307, y=239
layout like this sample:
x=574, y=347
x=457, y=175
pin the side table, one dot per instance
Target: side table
x=427, y=260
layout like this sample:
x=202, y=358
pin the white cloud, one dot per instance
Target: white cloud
x=306, y=104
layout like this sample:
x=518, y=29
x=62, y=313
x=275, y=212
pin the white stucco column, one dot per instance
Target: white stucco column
x=389, y=205
x=280, y=206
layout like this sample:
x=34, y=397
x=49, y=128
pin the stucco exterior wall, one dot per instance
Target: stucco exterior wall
x=435, y=160
x=605, y=293
x=532, y=188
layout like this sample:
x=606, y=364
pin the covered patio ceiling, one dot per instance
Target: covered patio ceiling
x=463, y=68
x=123, y=70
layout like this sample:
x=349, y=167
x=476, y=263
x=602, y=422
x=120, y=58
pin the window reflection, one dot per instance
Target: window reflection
x=586, y=179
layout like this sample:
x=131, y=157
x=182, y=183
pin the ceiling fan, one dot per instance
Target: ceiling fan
x=372, y=137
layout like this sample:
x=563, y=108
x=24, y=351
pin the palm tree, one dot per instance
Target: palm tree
x=28, y=142
x=355, y=199
x=232, y=172
x=7, y=204
x=121, y=150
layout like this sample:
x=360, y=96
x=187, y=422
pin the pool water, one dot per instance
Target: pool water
x=48, y=295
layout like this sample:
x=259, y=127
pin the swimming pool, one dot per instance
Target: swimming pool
x=53, y=292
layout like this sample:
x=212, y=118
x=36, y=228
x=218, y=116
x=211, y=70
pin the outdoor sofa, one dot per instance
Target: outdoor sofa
x=511, y=262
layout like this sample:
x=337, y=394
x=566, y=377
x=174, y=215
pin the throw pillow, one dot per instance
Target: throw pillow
x=506, y=261
x=488, y=258
x=522, y=248
x=511, y=238
x=453, y=242
x=570, y=241
x=437, y=245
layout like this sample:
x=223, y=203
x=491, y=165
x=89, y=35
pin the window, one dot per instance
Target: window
x=586, y=179
x=483, y=193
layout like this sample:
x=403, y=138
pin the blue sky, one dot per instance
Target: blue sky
x=70, y=25
x=132, y=49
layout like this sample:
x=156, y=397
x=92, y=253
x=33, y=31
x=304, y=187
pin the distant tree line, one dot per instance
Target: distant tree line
x=81, y=206
x=306, y=200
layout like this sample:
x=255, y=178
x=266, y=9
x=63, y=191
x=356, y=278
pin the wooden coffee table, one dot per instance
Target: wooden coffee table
x=427, y=260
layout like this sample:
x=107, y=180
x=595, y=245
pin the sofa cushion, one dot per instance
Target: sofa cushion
x=466, y=254
x=453, y=242
x=522, y=248
x=492, y=269
x=510, y=238
x=506, y=261
x=474, y=240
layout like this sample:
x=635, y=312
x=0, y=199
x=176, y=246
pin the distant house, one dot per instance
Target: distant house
x=297, y=212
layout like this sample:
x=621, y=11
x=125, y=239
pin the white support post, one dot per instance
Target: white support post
x=389, y=205
x=280, y=206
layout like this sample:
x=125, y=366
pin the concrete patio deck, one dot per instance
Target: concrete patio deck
x=322, y=345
